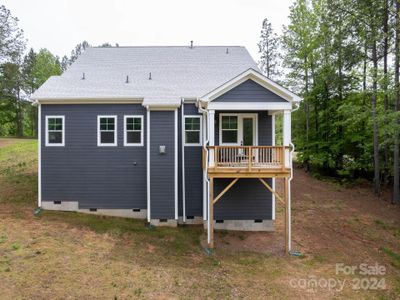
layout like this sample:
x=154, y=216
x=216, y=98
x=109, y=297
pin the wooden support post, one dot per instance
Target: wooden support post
x=286, y=191
x=211, y=215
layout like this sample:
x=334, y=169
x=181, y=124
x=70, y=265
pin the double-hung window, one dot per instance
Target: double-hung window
x=229, y=129
x=106, y=130
x=55, y=131
x=133, y=130
x=193, y=130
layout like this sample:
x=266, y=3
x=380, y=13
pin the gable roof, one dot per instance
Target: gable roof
x=176, y=72
x=256, y=76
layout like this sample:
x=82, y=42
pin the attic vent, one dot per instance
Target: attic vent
x=127, y=79
x=83, y=76
x=150, y=76
x=191, y=44
x=227, y=50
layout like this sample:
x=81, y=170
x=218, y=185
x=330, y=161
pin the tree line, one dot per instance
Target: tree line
x=22, y=73
x=342, y=56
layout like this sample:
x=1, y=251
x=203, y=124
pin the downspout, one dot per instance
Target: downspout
x=205, y=178
x=183, y=160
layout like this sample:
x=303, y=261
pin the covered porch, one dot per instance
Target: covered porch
x=240, y=144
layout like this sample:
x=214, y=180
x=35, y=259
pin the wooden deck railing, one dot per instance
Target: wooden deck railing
x=251, y=157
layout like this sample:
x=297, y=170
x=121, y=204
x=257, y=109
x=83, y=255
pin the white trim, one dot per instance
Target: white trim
x=183, y=162
x=126, y=131
x=148, y=163
x=256, y=77
x=176, y=163
x=161, y=107
x=81, y=100
x=273, y=179
x=62, y=144
x=200, y=130
x=240, y=117
x=39, y=155
x=249, y=105
x=205, y=182
x=99, y=143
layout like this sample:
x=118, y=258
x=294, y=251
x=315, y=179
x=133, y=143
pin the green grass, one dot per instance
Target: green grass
x=18, y=172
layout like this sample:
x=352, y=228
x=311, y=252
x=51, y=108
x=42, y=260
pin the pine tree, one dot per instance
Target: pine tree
x=269, y=51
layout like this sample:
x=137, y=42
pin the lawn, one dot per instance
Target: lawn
x=61, y=255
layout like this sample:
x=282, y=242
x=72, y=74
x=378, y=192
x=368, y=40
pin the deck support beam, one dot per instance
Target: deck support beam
x=225, y=190
x=271, y=190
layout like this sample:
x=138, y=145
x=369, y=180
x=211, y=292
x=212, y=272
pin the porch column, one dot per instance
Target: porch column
x=211, y=135
x=287, y=139
x=287, y=135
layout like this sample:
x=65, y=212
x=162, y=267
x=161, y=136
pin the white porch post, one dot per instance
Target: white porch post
x=287, y=140
x=211, y=134
x=211, y=142
x=287, y=135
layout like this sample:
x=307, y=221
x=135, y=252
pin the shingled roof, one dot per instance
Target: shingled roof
x=176, y=72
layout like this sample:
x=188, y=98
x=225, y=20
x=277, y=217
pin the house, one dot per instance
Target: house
x=168, y=134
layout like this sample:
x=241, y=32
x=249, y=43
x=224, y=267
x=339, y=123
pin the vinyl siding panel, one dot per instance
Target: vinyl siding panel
x=162, y=176
x=96, y=177
x=193, y=172
x=249, y=91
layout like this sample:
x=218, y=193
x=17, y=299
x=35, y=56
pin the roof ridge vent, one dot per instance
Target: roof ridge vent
x=83, y=76
x=150, y=76
x=191, y=44
x=127, y=79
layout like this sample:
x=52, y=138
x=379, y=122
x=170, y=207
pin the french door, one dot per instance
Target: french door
x=238, y=129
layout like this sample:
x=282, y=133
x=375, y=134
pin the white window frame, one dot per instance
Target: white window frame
x=126, y=131
x=99, y=143
x=200, y=131
x=62, y=144
x=240, y=117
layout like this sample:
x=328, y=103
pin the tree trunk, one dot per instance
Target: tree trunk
x=19, y=116
x=307, y=108
x=396, y=179
x=375, y=119
x=385, y=91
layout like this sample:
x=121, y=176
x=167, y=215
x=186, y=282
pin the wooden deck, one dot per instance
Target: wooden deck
x=247, y=162
x=237, y=162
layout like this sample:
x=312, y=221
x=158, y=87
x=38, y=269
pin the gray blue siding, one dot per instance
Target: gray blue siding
x=193, y=173
x=96, y=177
x=162, y=170
x=249, y=91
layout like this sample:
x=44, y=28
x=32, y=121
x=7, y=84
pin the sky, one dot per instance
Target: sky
x=59, y=25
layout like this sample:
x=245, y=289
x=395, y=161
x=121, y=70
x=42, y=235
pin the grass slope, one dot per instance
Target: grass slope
x=62, y=255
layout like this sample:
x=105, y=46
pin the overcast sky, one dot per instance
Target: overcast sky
x=59, y=25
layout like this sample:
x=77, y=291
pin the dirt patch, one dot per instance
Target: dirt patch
x=5, y=142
